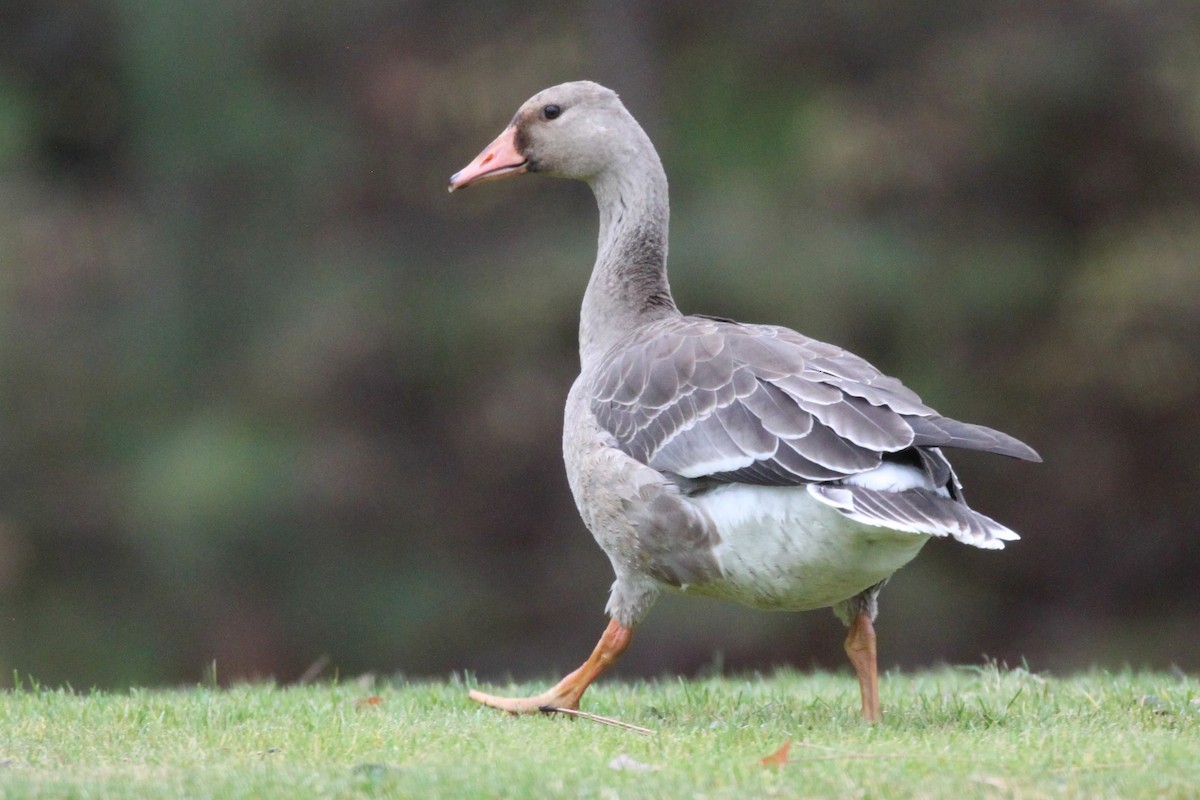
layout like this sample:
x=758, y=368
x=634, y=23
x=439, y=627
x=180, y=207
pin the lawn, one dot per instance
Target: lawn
x=953, y=732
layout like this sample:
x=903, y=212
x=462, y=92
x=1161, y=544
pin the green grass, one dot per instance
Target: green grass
x=976, y=732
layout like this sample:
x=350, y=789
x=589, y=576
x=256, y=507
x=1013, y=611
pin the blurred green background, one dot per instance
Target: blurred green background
x=270, y=394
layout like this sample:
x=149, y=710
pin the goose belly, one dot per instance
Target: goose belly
x=782, y=549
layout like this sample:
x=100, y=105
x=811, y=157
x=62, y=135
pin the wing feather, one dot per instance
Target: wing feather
x=938, y=431
x=706, y=398
x=778, y=414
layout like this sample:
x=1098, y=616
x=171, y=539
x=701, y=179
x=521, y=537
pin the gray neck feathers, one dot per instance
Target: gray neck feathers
x=628, y=287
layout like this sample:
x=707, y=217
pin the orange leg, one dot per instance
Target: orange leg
x=566, y=693
x=860, y=647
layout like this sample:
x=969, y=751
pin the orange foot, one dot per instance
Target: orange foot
x=566, y=693
x=526, y=705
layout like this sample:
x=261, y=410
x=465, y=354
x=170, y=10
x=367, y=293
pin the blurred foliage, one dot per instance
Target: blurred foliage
x=270, y=394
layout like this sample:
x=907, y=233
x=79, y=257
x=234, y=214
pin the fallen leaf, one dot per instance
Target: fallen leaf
x=779, y=757
x=627, y=764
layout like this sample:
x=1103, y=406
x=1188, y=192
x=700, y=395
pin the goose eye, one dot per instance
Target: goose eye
x=551, y=111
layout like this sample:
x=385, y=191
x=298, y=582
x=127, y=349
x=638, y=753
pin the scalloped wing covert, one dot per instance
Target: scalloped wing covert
x=709, y=398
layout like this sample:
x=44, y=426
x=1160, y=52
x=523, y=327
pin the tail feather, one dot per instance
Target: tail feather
x=914, y=511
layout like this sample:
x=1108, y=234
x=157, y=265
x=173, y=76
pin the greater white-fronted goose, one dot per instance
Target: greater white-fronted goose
x=745, y=462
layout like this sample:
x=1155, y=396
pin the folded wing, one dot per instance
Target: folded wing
x=706, y=398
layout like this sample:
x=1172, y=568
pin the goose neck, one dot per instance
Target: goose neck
x=628, y=288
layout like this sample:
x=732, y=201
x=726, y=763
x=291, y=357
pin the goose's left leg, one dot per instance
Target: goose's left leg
x=860, y=647
x=859, y=614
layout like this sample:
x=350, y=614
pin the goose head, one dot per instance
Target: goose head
x=573, y=130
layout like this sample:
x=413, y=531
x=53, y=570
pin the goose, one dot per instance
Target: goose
x=738, y=461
